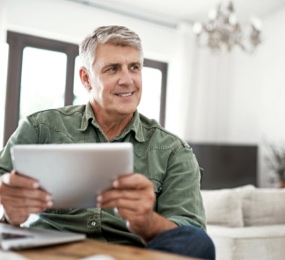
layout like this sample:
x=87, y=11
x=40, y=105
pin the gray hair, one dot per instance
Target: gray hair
x=113, y=34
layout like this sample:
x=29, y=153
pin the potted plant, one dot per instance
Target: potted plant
x=276, y=162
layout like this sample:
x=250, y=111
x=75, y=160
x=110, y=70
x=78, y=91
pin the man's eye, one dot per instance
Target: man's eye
x=112, y=69
x=134, y=67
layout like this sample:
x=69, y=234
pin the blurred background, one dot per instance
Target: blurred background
x=214, y=71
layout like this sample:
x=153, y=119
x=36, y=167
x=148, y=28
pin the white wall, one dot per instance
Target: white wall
x=69, y=21
x=210, y=97
x=264, y=80
x=239, y=98
x=272, y=80
x=223, y=98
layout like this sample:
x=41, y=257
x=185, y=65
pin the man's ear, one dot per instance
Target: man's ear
x=84, y=77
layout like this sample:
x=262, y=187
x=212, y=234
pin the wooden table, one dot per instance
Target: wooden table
x=88, y=247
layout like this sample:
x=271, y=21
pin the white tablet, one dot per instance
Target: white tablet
x=74, y=174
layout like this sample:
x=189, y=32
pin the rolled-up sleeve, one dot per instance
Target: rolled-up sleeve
x=180, y=198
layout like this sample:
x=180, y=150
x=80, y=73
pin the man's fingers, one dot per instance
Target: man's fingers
x=118, y=194
x=21, y=196
x=24, y=202
x=129, y=191
x=17, y=209
x=17, y=180
x=111, y=198
x=15, y=185
x=126, y=203
x=132, y=181
x=7, y=191
x=136, y=201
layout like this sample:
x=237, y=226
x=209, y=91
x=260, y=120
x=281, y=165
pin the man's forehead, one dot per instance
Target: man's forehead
x=107, y=53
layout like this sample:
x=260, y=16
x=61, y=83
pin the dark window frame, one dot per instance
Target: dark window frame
x=18, y=41
x=163, y=67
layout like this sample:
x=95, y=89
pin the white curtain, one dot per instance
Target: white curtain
x=208, y=95
x=199, y=91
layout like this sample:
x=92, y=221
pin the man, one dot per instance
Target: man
x=159, y=206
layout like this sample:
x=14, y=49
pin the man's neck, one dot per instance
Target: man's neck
x=113, y=127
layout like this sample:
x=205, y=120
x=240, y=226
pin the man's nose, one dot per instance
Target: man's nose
x=125, y=77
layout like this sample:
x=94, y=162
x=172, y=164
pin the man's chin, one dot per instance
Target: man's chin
x=127, y=113
x=127, y=108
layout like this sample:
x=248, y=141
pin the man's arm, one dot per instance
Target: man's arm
x=177, y=201
x=20, y=196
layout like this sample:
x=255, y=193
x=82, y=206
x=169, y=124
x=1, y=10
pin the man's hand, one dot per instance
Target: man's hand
x=133, y=197
x=21, y=196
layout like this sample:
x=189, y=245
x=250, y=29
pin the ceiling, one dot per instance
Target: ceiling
x=172, y=12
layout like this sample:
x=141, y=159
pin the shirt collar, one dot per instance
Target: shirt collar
x=87, y=117
x=135, y=124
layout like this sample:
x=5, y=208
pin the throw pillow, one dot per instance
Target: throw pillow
x=264, y=207
x=223, y=207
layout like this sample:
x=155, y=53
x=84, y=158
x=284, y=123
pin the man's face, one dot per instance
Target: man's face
x=116, y=81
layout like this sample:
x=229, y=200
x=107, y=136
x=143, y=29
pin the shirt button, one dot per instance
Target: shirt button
x=93, y=223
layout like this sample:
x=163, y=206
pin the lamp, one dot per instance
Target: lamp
x=223, y=30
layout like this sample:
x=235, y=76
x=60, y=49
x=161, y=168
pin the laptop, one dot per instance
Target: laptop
x=12, y=237
x=74, y=174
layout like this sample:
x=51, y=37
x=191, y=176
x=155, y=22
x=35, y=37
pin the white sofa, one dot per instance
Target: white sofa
x=246, y=222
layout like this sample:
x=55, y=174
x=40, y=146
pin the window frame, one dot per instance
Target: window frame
x=163, y=67
x=18, y=41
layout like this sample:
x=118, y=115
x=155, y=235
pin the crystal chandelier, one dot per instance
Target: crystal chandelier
x=223, y=31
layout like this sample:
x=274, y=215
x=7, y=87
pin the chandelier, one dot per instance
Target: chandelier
x=222, y=31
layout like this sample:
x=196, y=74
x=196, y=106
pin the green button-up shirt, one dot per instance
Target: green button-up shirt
x=159, y=155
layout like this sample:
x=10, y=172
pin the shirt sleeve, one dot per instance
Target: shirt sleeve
x=180, y=199
x=24, y=134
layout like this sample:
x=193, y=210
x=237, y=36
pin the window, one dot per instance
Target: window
x=151, y=93
x=42, y=81
x=43, y=73
x=80, y=93
x=153, y=102
x=17, y=71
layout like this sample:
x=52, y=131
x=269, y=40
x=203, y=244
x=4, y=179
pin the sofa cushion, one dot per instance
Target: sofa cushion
x=264, y=207
x=224, y=206
x=262, y=243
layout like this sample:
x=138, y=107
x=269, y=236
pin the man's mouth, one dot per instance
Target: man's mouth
x=125, y=94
